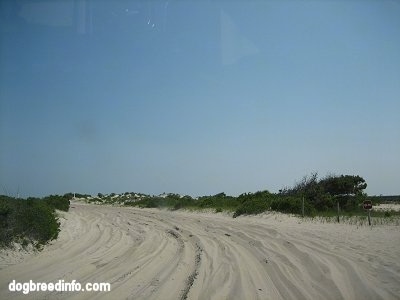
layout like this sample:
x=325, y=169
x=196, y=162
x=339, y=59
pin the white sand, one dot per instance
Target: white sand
x=153, y=254
x=387, y=207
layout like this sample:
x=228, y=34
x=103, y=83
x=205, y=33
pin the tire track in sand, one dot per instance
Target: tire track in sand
x=155, y=254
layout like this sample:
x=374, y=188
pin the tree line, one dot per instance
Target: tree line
x=34, y=220
x=310, y=193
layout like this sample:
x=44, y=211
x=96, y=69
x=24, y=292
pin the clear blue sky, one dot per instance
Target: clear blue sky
x=197, y=97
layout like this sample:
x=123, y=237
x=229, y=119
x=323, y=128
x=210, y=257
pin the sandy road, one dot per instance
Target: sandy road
x=153, y=254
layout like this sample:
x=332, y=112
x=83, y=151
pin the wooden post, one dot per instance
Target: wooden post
x=302, y=208
x=368, y=206
x=369, y=217
x=338, y=211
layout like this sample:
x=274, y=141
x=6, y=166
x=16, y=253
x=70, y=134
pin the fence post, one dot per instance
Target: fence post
x=369, y=217
x=338, y=211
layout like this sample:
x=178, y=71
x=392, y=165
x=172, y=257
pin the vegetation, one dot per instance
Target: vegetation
x=376, y=200
x=30, y=220
x=253, y=203
x=219, y=201
x=320, y=198
x=58, y=202
x=172, y=201
x=35, y=221
x=71, y=195
x=324, y=194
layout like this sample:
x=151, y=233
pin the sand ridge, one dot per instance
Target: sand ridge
x=156, y=254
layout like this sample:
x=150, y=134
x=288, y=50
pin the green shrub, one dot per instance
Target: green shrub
x=58, y=202
x=153, y=202
x=37, y=221
x=252, y=206
x=218, y=201
x=287, y=205
x=292, y=205
x=32, y=220
x=253, y=203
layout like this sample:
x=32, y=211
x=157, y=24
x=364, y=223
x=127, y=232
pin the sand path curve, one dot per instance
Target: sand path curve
x=155, y=254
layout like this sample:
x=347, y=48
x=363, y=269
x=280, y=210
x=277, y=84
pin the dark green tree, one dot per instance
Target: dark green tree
x=347, y=189
x=345, y=185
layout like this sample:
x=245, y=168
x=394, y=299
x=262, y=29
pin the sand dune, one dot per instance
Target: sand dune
x=153, y=254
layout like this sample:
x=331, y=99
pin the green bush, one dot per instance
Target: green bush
x=58, y=202
x=153, y=202
x=218, y=201
x=251, y=207
x=253, y=203
x=37, y=221
x=293, y=205
x=22, y=220
x=287, y=205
